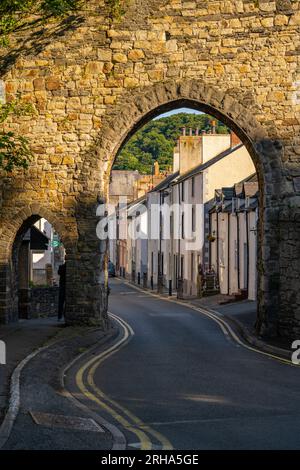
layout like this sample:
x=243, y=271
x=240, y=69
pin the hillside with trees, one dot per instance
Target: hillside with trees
x=156, y=141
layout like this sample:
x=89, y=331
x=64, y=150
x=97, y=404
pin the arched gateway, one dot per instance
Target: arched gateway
x=84, y=116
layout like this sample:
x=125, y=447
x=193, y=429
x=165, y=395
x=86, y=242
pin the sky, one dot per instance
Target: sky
x=179, y=110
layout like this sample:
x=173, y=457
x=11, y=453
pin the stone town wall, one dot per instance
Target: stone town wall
x=93, y=81
x=43, y=302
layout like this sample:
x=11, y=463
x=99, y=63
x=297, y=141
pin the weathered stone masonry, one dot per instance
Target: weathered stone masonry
x=94, y=82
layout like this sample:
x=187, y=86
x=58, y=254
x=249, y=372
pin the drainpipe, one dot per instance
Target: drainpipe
x=238, y=248
x=228, y=253
x=179, y=272
x=180, y=232
x=209, y=244
x=171, y=265
x=159, y=274
x=217, y=240
x=247, y=238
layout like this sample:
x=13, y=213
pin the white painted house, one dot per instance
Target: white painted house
x=175, y=260
x=233, y=246
x=46, y=258
x=175, y=253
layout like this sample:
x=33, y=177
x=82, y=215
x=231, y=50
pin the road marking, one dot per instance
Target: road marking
x=110, y=405
x=145, y=442
x=227, y=330
x=166, y=445
x=125, y=293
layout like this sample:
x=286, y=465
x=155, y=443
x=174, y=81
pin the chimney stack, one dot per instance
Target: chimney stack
x=156, y=168
x=213, y=127
x=191, y=131
x=197, y=131
x=183, y=131
x=235, y=140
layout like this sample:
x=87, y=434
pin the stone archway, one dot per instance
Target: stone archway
x=10, y=241
x=75, y=217
x=239, y=113
x=135, y=108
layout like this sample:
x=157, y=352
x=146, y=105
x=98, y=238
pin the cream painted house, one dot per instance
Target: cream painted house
x=174, y=261
x=233, y=233
x=177, y=218
x=133, y=242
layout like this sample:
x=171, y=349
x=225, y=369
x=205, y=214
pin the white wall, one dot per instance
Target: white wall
x=234, y=168
x=214, y=144
x=222, y=243
x=223, y=253
x=253, y=216
x=153, y=231
x=39, y=260
x=186, y=247
x=233, y=260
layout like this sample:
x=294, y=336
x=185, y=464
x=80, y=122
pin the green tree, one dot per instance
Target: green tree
x=156, y=141
x=14, y=149
x=126, y=161
x=16, y=13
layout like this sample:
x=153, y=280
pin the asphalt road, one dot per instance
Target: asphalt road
x=181, y=377
x=167, y=378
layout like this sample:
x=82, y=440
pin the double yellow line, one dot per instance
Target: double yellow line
x=86, y=384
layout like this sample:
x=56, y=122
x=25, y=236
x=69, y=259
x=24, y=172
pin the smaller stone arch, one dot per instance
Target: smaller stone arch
x=25, y=217
x=11, y=236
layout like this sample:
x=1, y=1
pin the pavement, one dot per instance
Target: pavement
x=47, y=418
x=21, y=339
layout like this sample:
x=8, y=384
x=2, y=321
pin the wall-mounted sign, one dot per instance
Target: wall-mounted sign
x=2, y=92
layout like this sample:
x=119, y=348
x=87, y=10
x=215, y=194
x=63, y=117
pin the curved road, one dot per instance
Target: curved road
x=181, y=382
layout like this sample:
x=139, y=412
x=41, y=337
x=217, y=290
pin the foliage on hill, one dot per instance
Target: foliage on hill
x=156, y=141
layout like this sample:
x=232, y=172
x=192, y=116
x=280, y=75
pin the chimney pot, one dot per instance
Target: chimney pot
x=234, y=139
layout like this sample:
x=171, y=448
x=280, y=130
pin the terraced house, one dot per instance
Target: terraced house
x=177, y=226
